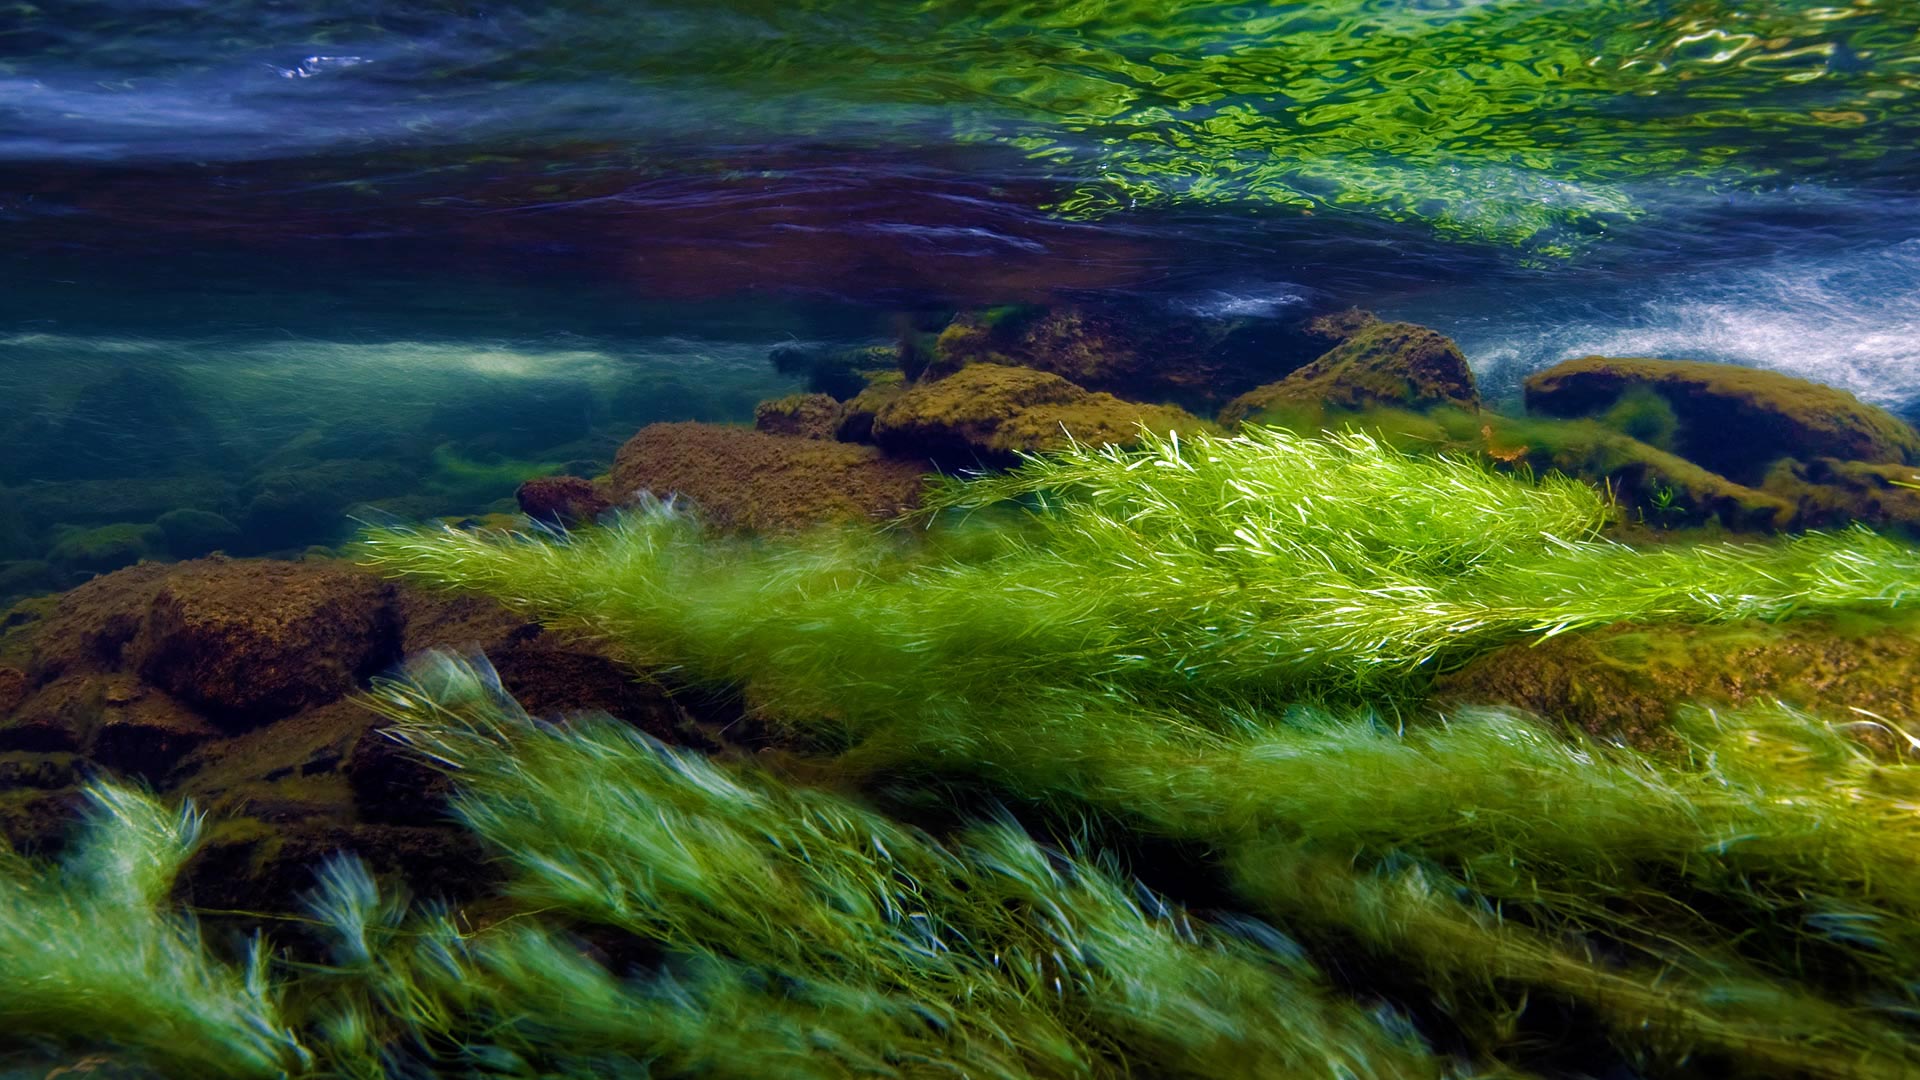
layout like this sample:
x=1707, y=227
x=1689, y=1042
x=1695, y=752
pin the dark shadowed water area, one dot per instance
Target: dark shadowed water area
x=274, y=259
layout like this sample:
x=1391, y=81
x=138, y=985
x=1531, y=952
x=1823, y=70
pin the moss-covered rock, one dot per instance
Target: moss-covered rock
x=807, y=416
x=192, y=533
x=1828, y=493
x=837, y=372
x=1736, y=421
x=1655, y=490
x=1395, y=365
x=1133, y=351
x=857, y=412
x=127, y=498
x=561, y=500
x=291, y=508
x=1624, y=681
x=748, y=479
x=25, y=577
x=990, y=413
x=105, y=548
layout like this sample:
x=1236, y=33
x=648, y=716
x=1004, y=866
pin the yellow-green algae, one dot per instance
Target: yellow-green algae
x=1127, y=641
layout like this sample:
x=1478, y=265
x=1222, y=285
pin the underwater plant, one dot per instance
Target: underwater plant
x=1131, y=634
x=801, y=934
x=1266, y=567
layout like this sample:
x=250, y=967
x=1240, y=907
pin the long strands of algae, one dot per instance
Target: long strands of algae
x=813, y=939
x=1024, y=963
x=1266, y=567
x=1362, y=537
x=1528, y=845
x=86, y=951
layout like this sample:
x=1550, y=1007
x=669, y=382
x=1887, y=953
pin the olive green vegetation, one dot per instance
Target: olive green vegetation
x=1120, y=632
x=1269, y=567
x=801, y=936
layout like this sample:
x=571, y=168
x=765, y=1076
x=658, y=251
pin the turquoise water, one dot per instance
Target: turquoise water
x=424, y=248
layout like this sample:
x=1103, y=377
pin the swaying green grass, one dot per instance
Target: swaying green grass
x=805, y=936
x=1263, y=568
x=87, y=955
x=1126, y=637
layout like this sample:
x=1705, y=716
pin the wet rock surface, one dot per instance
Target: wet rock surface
x=1623, y=682
x=989, y=414
x=1131, y=351
x=561, y=500
x=232, y=682
x=808, y=416
x=747, y=479
x=1397, y=365
x=1735, y=421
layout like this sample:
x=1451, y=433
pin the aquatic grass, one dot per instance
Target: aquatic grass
x=1129, y=644
x=89, y=952
x=799, y=935
x=1267, y=567
x=1014, y=960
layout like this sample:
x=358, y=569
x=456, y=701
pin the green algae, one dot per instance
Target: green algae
x=804, y=936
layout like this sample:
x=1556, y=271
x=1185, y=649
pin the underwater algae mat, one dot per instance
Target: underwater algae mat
x=1221, y=644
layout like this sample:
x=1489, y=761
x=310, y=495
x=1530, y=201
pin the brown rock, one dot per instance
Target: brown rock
x=561, y=500
x=250, y=642
x=143, y=732
x=1736, y=421
x=58, y=717
x=1395, y=365
x=90, y=627
x=1136, y=352
x=751, y=480
x=857, y=413
x=806, y=416
x=990, y=414
x=1829, y=493
x=1623, y=681
x=13, y=689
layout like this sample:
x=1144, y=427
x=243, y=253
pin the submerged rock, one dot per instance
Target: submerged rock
x=1376, y=364
x=808, y=416
x=747, y=479
x=1623, y=682
x=1736, y=421
x=1134, y=351
x=561, y=500
x=989, y=414
x=104, y=548
x=232, y=682
x=1828, y=493
x=250, y=642
x=192, y=533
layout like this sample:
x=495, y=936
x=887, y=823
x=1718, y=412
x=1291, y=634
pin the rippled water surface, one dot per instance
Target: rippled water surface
x=286, y=208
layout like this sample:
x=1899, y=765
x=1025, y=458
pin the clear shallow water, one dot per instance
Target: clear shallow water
x=323, y=226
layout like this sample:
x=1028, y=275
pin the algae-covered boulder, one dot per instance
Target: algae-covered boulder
x=193, y=533
x=858, y=411
x=1395, y=365
x=1736, y=421
x=747, y=479
x=1829, y=493
x=249, y=642
x=561, y=500
x=104, y=548
x=990, y=413
x=299, y=506
x=808, y=416
x=1623, y=682
x=837, y=372
x=1130, y=350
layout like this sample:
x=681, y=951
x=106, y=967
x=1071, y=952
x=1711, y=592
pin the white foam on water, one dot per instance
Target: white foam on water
x=1851, y=321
